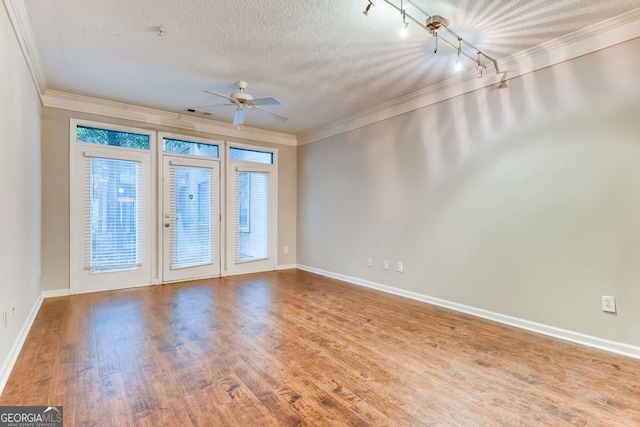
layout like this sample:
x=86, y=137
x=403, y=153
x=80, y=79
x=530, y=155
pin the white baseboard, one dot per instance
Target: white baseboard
x=10, y=361
x=7, y=366
x=563, y=334
x=56, y=293
x=286, y=267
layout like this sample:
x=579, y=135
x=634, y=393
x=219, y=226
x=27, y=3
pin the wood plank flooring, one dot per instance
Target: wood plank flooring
x=292, y=348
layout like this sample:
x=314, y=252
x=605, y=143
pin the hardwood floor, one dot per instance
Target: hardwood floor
x=291, y=348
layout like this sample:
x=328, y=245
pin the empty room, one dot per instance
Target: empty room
x=326, y=213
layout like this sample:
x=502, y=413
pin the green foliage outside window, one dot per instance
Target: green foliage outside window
x=112, y=137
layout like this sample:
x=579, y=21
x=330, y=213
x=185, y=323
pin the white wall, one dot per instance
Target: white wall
x=20, y=190
x=523, y=202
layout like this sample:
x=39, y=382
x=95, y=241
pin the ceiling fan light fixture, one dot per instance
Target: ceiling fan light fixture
x=238, y=116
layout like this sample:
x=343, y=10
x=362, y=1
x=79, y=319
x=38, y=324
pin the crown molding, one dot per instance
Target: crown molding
x=596, y=37
x=17, y=13
x=85, y=104
x=582, y=42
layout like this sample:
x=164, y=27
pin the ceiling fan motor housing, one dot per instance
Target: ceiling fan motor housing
x=241, y=97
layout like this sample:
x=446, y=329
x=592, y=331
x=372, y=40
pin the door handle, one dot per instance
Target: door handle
x=166, y=224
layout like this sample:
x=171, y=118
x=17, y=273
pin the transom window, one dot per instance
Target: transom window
x=113, y=138
x=255, y=156
x=200, y=149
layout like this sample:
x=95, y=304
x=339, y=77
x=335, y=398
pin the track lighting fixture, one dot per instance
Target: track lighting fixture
x=459, y=66
x=404, y=30
x=368, y=8
x=480, y=68
x=435, y=24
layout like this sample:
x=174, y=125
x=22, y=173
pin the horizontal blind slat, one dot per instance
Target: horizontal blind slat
x=113, y=214
x=191, y=206
x=252, y=213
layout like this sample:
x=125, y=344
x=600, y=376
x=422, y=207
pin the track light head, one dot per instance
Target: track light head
x=480, y=67
x=366, y=10
x=404, y=30
x=458, y=66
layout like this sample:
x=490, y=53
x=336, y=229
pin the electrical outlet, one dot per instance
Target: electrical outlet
x=608, y=304
x=385, y=264
x=369, y=262
x=400, y=267
x=286, y=249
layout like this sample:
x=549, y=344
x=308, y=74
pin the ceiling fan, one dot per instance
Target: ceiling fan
x=243, y=101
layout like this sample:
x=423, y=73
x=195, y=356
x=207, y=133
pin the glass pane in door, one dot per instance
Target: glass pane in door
x=191, y=195
x=252, y=216
x=114, y=215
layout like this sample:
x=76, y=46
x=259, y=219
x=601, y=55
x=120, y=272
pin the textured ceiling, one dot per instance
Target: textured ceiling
x=323, y=59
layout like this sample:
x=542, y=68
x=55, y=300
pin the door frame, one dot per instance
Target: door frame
x=200, y=271
x=160, y=202
x=75, y=217
x=268, y=264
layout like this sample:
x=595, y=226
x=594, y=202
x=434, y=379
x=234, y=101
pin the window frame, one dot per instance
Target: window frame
x=192, y=139
x=161, y=202
x=245, y=266
x=75, y=217
x=113, y=129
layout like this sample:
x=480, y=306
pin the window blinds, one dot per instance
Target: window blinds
x=191, y=204
x=252, y=216
x=113, y=214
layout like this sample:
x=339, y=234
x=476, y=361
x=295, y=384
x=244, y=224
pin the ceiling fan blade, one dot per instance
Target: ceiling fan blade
x=222, y=96
x=264, y=101
x=238, y=117
x=276, y=115
x=199, y=107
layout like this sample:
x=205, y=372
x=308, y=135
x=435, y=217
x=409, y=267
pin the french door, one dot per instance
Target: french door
x=112, y=238
x=190, y=218
x=251, y=196
x=144, y=213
